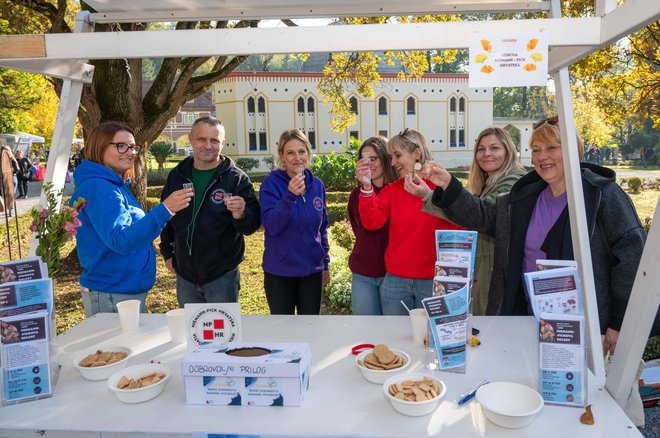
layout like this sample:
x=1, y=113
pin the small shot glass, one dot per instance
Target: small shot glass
x=188, y=186
x=228, y=195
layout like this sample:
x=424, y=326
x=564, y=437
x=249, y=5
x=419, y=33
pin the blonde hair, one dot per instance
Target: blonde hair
x=478, y=180
x=548, y=132
x=291, y=134
x=409, y=140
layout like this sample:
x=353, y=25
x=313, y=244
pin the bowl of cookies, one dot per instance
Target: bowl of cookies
x=414, y=394
x=99, y=364
x=380, y=363
x=139, y=383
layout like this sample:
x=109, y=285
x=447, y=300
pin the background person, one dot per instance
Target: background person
x=115, y=240
x=531, y=222
x=295, y=219
x=410, y=255
x=495, y=168
x=24, y=173
x=204, y=245
x=367, y=260
x=9, y=167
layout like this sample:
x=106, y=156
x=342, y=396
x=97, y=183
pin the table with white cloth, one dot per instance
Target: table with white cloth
x=339, y=400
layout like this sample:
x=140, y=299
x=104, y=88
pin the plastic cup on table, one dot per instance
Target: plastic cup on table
x=176, y=323
x=129, y=314
x=418, y=324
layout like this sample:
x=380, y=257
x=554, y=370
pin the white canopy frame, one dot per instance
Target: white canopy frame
x=571, y=39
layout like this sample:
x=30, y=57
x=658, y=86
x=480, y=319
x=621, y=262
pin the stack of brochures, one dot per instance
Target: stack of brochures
x=555, y=297
x=27, y=327
x=448, y=308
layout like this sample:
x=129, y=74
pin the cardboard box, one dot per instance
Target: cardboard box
x=248, y=374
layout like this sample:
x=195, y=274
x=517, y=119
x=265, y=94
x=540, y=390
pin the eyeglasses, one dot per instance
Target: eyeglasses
x=122, y=147
x=550, y=121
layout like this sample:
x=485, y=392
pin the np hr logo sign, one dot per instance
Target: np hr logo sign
x=210, y=324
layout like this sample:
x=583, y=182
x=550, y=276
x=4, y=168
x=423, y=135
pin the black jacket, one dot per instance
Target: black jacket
x=615, y=233
x=211, y=243
x=24, y=166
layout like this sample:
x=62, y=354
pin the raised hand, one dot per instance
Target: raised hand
x=179, y=199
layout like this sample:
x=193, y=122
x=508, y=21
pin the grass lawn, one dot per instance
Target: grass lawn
x=68, y=303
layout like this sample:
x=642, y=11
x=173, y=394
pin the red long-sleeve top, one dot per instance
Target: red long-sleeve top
x=411, y=250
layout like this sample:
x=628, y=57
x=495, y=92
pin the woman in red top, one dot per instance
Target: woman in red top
x=367, y=260
x=410, y=255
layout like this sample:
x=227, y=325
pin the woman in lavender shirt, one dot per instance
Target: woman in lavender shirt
x=531, y=222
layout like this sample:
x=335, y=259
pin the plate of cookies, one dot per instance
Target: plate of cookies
x=101, y=363
x=381, y=362
x=414, y=394
x=139, y=383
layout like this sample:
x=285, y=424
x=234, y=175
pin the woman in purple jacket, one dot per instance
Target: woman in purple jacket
x=294, y=216
x=367, y=260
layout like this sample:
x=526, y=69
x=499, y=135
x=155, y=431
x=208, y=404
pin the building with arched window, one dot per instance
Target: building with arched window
x=256, y=107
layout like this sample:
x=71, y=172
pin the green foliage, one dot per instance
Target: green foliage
x=652, y=349
x=337, y=197
x=157, y=178
x=647, y=224
x=337, y=171
x=343, y=234
x=247, y=164
x=336, y=212
x=161, y=150
x=634, y=183
x=154, y=191
x=270, y=162
x=338, y=290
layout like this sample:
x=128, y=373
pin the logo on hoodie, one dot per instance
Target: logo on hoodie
x=218, y=196
x=318, y=203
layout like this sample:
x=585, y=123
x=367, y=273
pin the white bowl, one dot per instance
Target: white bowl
x=101, y=373
x=509, y=404
x=413, y=409
x=379, y=376
x=139, y=395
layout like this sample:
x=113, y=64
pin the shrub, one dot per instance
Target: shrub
x=157, y=178
x=337, y=197
x=247, y=164
x=343, y=234
x=634, y=184
x=154, y=191
x=337, y=212
x=161, y=150
x=652, y=350
x=338, y=290
x=647, y=224
x=270, y=162
x=151, y=202
x=337, y=171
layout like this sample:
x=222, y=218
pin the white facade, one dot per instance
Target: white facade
x=256, y=107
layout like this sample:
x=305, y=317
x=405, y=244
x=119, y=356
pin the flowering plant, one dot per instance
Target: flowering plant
x=54, y=226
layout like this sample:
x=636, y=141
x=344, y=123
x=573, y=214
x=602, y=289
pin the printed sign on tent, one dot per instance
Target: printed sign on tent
x=508, y=60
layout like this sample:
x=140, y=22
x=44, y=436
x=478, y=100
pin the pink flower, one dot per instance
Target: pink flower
x=33, y=227
x=80, y=205
x=76, y=222
x=71, y=229
x=44, y=213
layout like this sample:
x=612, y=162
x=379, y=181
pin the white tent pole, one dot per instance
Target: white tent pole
x=577, y=214
x=65, y=124
x=639, y=317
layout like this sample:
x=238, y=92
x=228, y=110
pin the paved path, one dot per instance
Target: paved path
x=34, y=191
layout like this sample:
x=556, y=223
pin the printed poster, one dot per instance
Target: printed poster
x=508, y=60
x=25, y=297
x=30, y=268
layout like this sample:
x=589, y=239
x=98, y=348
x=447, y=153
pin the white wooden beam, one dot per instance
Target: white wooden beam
x=62, y=69
x=209, y=42
x=639, y=317
x=622, y=21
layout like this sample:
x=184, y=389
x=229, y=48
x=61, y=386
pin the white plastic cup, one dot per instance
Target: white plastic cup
x=418, y=324
x=176, y=323
x=129, y=314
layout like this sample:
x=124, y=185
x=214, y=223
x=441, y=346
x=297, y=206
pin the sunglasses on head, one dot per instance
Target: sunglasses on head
x=403, y=133
x=550, y=121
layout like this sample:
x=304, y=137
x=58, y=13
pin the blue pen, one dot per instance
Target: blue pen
x=469, y=394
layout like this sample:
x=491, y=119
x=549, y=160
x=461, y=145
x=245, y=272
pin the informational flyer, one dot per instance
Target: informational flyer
x=448, y=269
x=543, y=264
x=446, y=285
x=26, y=296
x=562, y=359
x=456, y=247
x=212, y=324
x=554, y=291
x=25, y=357
x=448, y=318
x=30, y=268
x=508, y=60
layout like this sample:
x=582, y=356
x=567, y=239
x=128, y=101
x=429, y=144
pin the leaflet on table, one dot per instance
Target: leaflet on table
x=448, y=318
x=543, y=264
x=457, y=247
x=562, y=359
x=554, y=291
x=448, y=269
x=31, y=268
x=446, y=285
x=25, y=357
x=26, y=296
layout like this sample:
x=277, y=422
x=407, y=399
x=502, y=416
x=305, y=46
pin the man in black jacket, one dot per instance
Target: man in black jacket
x=203, y=244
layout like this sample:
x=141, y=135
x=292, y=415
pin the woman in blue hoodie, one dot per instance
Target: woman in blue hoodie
x=114, y=242
x=294, y=216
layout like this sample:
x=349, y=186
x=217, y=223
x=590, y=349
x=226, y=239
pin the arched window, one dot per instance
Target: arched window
x=382, y=105
x=461, y=105
x=310, y=105
x=354, y=104
x=452, y=105
x=410, y=105
x=250, y=104
x=301, y=105
x=261, y=105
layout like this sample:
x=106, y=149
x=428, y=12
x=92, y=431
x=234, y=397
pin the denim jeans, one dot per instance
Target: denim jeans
x=409, y=290
x=105, y=302
x=365, y=295
x=221, y=290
